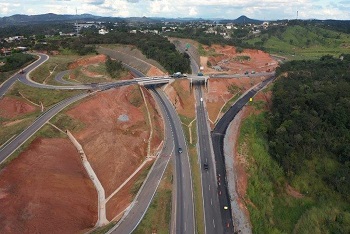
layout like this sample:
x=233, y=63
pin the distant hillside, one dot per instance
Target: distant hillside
x=50, y=17
x=302, y=41
x=243, y=20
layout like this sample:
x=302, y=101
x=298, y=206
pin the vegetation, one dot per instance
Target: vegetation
x=45, y=96
x=300, y=41
x=310, y=120
x=304, y=143
x=16, y=61
x=114, y=67
x=153, y=46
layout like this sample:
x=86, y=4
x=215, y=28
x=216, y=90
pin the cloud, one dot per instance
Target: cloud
x=94, y=2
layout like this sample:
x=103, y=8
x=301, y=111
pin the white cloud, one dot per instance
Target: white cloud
x=259, y=9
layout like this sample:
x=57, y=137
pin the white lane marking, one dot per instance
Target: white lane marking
x=213, y=223
x=185, y=227
x=211, y=201
x=209, y=187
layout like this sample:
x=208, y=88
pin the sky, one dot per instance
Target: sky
x=207, y=9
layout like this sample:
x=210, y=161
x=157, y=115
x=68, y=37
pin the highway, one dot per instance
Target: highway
x=184, y=209
x=212, y=214
x=217, y=136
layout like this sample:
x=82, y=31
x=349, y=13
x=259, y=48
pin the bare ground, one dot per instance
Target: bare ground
x=11, y=107
x=181, y=97
x=48, y=190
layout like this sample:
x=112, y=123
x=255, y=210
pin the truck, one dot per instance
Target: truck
x=177, y=74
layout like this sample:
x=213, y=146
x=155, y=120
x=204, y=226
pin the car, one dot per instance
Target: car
x=225, y=207
x=22, y=72
x=206, y=166
x=179, y=150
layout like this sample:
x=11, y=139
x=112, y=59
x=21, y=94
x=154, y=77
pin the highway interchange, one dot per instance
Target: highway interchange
x=210, y=149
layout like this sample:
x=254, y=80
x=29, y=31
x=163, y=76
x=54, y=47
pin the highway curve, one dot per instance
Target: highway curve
x=217, y=136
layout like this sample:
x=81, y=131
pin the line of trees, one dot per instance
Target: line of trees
x=16, y=61
x=114, y=67
x=153, y=46
x=311, y=120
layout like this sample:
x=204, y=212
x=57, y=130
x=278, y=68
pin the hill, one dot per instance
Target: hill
x=302, y=41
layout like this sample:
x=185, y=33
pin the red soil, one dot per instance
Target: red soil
x=115, y=148
x=181, y=97
x=48, y=191
x=87, y=61
x=12, y=107
x=228, y=59
x=154, y=71
x=119, y=202
x=219, y=94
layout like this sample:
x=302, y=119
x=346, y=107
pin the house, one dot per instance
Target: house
x=102, y=31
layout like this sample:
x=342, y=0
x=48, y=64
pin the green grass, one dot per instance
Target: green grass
x=158, y=215
x=104, y=229
x=185, y=120
x=140, y=179
x=271, y=209
x=47, y=96
x=65, y=122
x=5, y=75
x=56, y=63
x=305, y=42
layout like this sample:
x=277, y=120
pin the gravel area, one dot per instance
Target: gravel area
x=123, y=118
x=240, y=220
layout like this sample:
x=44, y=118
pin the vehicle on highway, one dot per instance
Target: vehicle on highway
x=179, y=150
x=200, y=74
x=225, y=207
x=201, y=99
x=206, y=166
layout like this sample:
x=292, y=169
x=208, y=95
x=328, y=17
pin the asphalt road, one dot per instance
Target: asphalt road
x=184, y=209
x=217, y=136
x=9, y=82
x=212, y=214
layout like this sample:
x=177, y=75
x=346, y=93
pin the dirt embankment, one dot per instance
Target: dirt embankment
x=88, y=61
x=181, y=97
x=115, y=136
x=13, y=107
x=222, y=90
x=227, y=60
x=46, y=190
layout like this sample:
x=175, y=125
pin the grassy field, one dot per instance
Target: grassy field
x=47, y=96
x=157, y=217
x=272, y=209
x=304, y=42
x=51, y=67
x=5, y=75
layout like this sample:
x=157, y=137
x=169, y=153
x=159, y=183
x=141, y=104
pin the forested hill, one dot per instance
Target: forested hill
x=309, y=128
